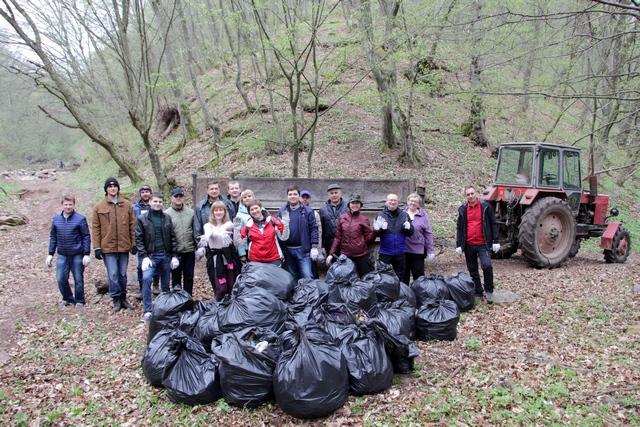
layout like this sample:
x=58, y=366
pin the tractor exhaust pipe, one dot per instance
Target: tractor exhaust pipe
x=593, y=185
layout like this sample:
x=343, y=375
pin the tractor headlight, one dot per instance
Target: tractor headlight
x=614, y=212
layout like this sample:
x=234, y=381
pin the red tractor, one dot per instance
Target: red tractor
x=541, y=208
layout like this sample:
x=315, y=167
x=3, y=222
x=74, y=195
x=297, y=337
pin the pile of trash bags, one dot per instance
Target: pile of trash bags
x=307, y=346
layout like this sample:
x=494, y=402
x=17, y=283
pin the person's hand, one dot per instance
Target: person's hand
x=86, y=260
x=174, y=263
x=226, y=239
x=97, y=252
x=243, y=259
x=146, y=264
x=406, y=225
x=134, y=250
x=237, y=223
x=200, y=253
x=377, y=223
x=203, y=241
x=320, y=258
x=314, y=254
x=431, y=257
x=495, y=247
x=284, y=216
x=459, y=251
x=329, y=260
x=249, y=223
x=385, y=224
x=49, y=261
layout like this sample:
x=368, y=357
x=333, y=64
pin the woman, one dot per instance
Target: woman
x=261, y=232
x=223, y=263
x=246, y=197
x=421, y=242
x=353, y=236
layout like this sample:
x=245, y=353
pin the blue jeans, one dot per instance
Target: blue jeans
x=471, y=254
x=116, y=265
x=298, y=264
x=73, y=264
x=160, y=263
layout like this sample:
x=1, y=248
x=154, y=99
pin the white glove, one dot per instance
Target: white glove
x=226, y=239
x=86, y=260
x=495, y=247
x=385, y=224
x=284, y=216
x=459, y=251
x=203, y=241
x=377, y=223
x=237, y=223
x=174, y=263
x=314, y=254
x=146, y=264
x=431, y=257
x=200, y=253
x=329, y=260
x=407, y=225
x=49, y=261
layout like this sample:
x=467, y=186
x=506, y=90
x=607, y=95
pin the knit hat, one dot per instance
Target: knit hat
x=111, y=181
x=145, y=187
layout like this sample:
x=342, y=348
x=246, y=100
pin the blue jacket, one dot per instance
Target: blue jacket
x=393, y=239
x=308, y=227
x=70, y=236
x=140, y=207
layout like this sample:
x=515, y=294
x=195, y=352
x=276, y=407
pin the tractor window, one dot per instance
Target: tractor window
x=514, y=166
x=549, y=167
x=571, y=170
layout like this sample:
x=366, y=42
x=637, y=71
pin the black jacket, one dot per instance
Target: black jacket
x=145, y=235
x=329, y=217
x=489, y=226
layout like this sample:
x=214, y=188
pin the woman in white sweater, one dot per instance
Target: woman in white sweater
x=223, y=263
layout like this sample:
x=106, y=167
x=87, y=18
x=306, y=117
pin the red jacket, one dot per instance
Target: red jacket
x=263, y=244
x=353, y=235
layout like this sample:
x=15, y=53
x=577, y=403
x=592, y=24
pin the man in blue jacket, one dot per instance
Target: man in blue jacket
x=70, y=237
x=393, y=225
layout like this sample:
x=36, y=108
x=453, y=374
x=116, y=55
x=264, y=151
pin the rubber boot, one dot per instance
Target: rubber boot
x=117, y=304
x=124, y=303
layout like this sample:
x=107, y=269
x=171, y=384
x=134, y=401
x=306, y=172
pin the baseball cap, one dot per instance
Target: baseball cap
x=305, y=193
x=333, y=187
x=177, y=192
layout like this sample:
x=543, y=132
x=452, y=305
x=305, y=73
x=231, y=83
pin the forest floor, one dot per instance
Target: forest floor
x=564, y=353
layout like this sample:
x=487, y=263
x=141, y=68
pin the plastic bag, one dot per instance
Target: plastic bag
x=166, y=308
x=385, y=281
x=207, y=327
x=158, y=354
x=398, y=316
x=437, y=320
x=400, y=348
x=247, y=362
x=307, y=295
x=462, y=290
x=252, y=307
x=358, y=292
x=429, y=287
x=311, y=378
x=406, y=293
x=343, y=270
x=193, y=378
x=269, y=277
x=333, y=317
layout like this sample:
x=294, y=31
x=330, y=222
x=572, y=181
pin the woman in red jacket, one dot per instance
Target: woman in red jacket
x=262, y=231
x=353, y=236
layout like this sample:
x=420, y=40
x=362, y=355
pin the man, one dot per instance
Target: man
x=305, y=198
x=329, y=214
x=140, y=207
x=113, y=227
x=156, y=242
x=476, y=233
x=70, y=237
x=234, y=189
x=182, y=219
x=300, y=247
x=203, y=209
x=393, y=226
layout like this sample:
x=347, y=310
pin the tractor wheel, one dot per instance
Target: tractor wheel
x=620, y=246
x=575, y=248
x=547, y=232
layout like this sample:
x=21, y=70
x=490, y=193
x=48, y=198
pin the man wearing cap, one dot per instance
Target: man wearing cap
x=305, y=198
x=393, y=226
x=113, y=234
x=182, y=219
x=329, y=214
x=203, y=209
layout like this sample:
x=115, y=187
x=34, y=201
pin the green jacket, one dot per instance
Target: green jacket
x=183, y=225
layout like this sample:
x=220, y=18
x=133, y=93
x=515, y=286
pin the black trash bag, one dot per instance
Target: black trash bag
x=358, y=292
x=166, y=308
x=399, y=317
x=187, y=320
x=428, y=287
x=193, y=378
x=247, y=361
x=438, y=320
x=342, y=270
x=311, y=378
x=252, y=307
x=159, y=355
x=271, y=278
x=307, y=295
x=462, y=290
x=400, y=348
x=406, y=293
x=333, y=317
x=368, y=363
x=385, y=281
x=207, y=327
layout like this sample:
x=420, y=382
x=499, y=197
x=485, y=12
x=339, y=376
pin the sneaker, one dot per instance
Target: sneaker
x=137, y=296
x=489, y=297
x=79, y=304
x=64, y=304
x=146, y=317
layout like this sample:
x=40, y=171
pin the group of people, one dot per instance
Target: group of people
x=230, y=231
